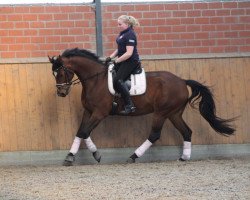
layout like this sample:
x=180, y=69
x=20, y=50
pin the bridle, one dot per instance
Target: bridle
x=67, y=71
x=76, y=81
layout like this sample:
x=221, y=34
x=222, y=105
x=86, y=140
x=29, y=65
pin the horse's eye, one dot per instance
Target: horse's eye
x=54, y=73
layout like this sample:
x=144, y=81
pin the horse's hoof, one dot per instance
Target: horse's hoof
x=131, y=160
x=97, y=156
x=69, y=160
x=182, y=160
x=67, y=163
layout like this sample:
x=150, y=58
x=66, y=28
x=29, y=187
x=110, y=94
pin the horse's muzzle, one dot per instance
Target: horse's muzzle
x=61, y=94
x=63, y=90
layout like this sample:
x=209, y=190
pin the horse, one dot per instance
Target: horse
x=166, y=97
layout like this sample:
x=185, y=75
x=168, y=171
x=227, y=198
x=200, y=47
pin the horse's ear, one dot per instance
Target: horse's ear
x=60, y=57
x=50, y=59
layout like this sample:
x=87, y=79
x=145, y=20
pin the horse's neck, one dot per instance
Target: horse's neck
x=87, y=68
x=95, y=86
x=90, y=73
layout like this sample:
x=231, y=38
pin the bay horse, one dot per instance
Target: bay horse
x=166, y=97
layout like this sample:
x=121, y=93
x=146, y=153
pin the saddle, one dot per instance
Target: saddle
x=136, y=83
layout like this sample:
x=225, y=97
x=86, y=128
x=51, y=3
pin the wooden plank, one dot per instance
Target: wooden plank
x=245, y=63
x=50, y=110
x=145, y=65
x=64, y=122
x=20, y=94
x=35, y=100
x=130, y=131
x=236, y=99
x=68, y=124
x=159, y=66
x=107, y=133
x=228, y=93
x=46, y=109
x=4, y=124
x=241, y=96
x=143, y=127
x=220, y=98
x=2, y=91
x=150, y=66
x=11, y=136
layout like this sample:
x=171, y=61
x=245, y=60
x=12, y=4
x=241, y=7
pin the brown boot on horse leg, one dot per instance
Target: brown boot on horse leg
x=123, y=90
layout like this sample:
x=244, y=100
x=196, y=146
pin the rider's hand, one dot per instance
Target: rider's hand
x=116, y=66
x=107, y=60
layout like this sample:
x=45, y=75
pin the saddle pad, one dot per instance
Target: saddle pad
x=138, y=82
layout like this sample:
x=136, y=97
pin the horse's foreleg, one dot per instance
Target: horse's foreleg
x=186, y=133
x=89, y=143
x=89, y=122
x=155, y=135
x=70, y=158
x=92, y=148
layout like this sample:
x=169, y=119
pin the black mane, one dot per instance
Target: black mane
x=81, y=52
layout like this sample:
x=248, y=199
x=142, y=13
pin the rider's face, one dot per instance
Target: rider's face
x=123, y=26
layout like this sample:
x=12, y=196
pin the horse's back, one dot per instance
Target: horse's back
x=165, y=74
x=165, y=77
x=166, y=88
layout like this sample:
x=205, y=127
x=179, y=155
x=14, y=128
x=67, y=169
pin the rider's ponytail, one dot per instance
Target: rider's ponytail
x=130, y=20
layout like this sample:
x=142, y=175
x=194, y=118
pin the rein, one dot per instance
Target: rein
x=93, y=76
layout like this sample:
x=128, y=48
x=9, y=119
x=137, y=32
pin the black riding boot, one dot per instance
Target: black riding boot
x=123, y=89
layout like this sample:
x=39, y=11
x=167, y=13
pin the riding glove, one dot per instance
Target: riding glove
x=107, y=60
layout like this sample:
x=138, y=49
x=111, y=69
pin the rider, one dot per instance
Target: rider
x=127, y=58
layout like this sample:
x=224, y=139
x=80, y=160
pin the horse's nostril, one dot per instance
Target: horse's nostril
x=61, y=94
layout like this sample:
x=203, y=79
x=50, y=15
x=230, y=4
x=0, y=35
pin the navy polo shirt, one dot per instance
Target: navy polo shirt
x=127, y=38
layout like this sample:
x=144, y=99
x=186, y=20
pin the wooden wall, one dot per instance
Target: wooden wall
x=33, y=117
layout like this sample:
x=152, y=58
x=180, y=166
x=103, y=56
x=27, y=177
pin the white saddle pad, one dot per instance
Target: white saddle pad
x=138, y=82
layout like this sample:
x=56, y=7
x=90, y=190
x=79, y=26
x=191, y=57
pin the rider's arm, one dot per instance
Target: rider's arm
x=127, y=55
x=114, y=54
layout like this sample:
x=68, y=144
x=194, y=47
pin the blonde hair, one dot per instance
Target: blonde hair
x=130, y=20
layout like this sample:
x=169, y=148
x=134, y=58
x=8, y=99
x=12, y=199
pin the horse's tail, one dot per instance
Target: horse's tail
x=207, y=108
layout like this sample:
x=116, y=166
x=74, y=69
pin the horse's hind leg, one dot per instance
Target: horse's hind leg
x=186, y=133
x=158, y=121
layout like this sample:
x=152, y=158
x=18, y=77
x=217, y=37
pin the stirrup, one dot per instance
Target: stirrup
x=128, y=109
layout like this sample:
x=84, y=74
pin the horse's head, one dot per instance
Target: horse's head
x=62, y=74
